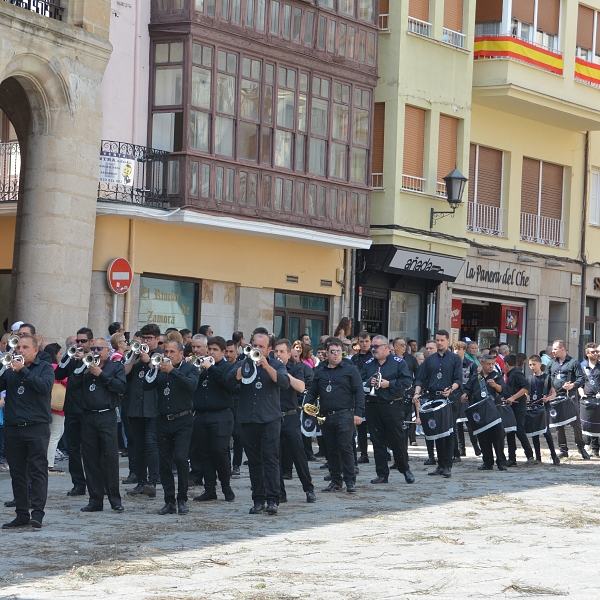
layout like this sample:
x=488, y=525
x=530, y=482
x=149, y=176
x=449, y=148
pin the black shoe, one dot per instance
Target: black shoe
x=310, y=497
x=327, y=478
x=91, y=508
x=257, y=508
x=408, y=476
x=463, y=452
x=311, y=458
x=502, y=468
x=477, y=450
x=245, y=463
x=76, y=491
x=356, y=469
x=555, y=460
x=596, y=453
x=393, y=467
x=10, y=503
x=379, y=479
x=584, y=454
x=429, y=462
x=16, y=523
x=350, y=487
x=288, y=475
x=138, y=490
x=486, y=467
x=235, y=472
x=333, y=487
x=206, y=496
x=325, y=465
x=282, y=499
x=182, y=508
x=438, y=471
x=456, y=459
x=118, y=508
x=167, y=509
x=447, y=472
x=36, y=522
x=131, y=478
x=319, y=454
x=563, y=454
x=150, y=490
x=271, y=508
x=363, y=460
x=228, y=493
x=389, y=457
x=511, y=462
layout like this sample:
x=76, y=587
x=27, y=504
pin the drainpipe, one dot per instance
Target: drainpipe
x=582, y=249
x=352, y=294
x=131, y=259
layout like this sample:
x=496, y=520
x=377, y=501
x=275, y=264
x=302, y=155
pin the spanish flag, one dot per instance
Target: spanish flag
x=587, y=71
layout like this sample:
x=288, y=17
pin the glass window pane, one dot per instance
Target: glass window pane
x=231, y=63
x=225, y=94
x=362, y=209
x=265, y=155
x=243, y=191
x=361, y=127
x=354, y=208
x=249, y=13
x=351, y=37
x=255, y=72
x=260, y=15
x=287, y=21
x=338, y=161
x=219, y=183
x=269, y=73
x=230, y=183
x=297, y=24
x=300, y=143
x=278, y=193
x=326, y=3
x=275, y=18
x=176, y=52
x=318, y=117
x=207, y=56
x=318, y=151
x=342, y=46
x=210, y=7
x=248, y=141
x=268, y=105
x=303, y=82
x=283, y=148
x=173, y=182
x=193, y=179
x=365, y=10
x=362, y=46
x=371, y=49
x=291, y=78
x=197, y=54
x=325, y=88
x=308, y=28
x=201, y=92
x=253, y=189
x=312, y=200
x=285, y=108
x=167, y=87
x=347, y=7
x=250, y=99
x=358, y=168
x=331, y=37
x=225, y=10
x=199, y=130
x=322, y=207
x=222, y=61
x=322, y=33
x=340, y=121
x=300, y=198
x=288, y=194
x=266, y=192
x=334, y=204
x=366, y=99
x=161, y=53
x=205, y=181
x=246, y=66
x=163, y=130
x=236, y=11
x=224, y=136
x=343, y=205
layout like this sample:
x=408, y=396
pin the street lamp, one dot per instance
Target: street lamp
x=455, y=186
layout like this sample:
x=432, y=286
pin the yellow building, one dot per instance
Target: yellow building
x=510, y=91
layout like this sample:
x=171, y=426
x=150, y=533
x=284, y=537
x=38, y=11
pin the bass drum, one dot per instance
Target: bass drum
x=562, y=411
x=437, y=419
x=483, y=415
x=509, y=421
x=536, y=421
x=590, y=417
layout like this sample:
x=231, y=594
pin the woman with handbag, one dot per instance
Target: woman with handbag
x=57, y=426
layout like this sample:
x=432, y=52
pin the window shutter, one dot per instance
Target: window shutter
x=585, y=27
x=488, y=11
x=548, y=16
x=530, y=186
x=472, y=160
x=594, y=199
x=414, y=141
x=523, y=10
x=447, y=146
x=384, y=7
x=378, y=137
x=489, y=176
x=419, y=9
x=552, y=190
x=453, y=15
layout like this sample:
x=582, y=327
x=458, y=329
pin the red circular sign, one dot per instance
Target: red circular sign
x=119, y=275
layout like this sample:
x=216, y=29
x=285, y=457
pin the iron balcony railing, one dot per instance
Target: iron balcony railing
x=383, y=22
x=455, y=38
x=542, y=230
x=131, y=174
x=485, y=219
x=10, y=167
x=418, y=26
x=413, y=184
x=377, y=181
x=52, y=10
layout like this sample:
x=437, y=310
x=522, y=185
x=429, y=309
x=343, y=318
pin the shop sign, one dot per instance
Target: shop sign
x=117, y=168
x=456, y=313
x=508, y=277
x=167, y=303
x=424, y=264
x=512, y=319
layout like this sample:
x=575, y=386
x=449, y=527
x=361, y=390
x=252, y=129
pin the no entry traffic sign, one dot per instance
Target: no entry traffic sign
x=119, y=275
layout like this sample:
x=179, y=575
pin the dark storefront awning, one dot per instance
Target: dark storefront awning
x=426, y=265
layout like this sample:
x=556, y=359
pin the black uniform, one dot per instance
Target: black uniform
x=308, y=375
x=494, y=436
x=539, y=387
x=569, y=370
x=342, y=397
x=27, y=419
x=238, y=447
x=385, y=412
x=359, y=360
x=174, y=424
x=468, y=369
x=141, y=412
x=100, y=396
x=410, y=428
x=213, y=425
x=259, y=414
x=73, y=423
x=516, y=381
x=291, y=434
x=449, y=368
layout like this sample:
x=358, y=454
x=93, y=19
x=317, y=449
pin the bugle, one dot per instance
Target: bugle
x=136, y=348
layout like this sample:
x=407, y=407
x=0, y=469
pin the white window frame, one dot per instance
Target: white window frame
x=594, y=218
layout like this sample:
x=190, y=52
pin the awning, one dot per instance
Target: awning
x=426, y=265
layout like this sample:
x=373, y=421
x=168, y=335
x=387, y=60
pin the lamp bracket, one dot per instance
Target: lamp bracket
x=436, y=215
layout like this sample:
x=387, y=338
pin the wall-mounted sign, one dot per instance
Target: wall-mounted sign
x=512, y=319
x=423, y=264
x=119, y=275
x=456, y=314
x=509, y=276
x=117, y=168
x=167, y=303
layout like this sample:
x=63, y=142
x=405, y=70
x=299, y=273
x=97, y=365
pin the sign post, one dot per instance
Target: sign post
x=119, y=277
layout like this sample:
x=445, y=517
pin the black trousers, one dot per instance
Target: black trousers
x=261, y=444
x=576, y=425
x=535, y=440
x=26, y=450
x=445, y=450
x=460, y=432
x=131, y=450
x=430, y=448
x=338, y=435
x=520, y=415
x=238, y=447
x=212, y=432
x=73, y=438
x=386, y=426
x=492, y=438
x=143, y=433
x=291, y=437
x=100, y=449
x=174, y=447
x=363, y=444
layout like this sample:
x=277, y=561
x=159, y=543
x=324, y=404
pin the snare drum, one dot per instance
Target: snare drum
x=509, y=421
x=536, y=421
x=590, y=416
x=483, y=415
x=562, y=411
x=437, y=419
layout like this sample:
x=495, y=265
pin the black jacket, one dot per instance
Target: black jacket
x=516, y=381
x=450, y=367
x=74, y=395
x=181, y=384
x=215, y=390
x=35, y=383
x=395, y=370
x=99, y=393
x=570, y=370
x=591, y=385
x=289, y=397
x=140, y=402
x=539, y=386
x=359, y=360
x=473, y=387
x=346, y=388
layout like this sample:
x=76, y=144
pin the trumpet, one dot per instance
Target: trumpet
x=13, y=341
x=155, y=361
x=198, y=361
x=314, y=411
x=6, y=359
x=73, y=350
x=68, y=355
x=247, y=349
x=255, y=355
x=377, y=385
x=136, y=348
x=91, y=360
